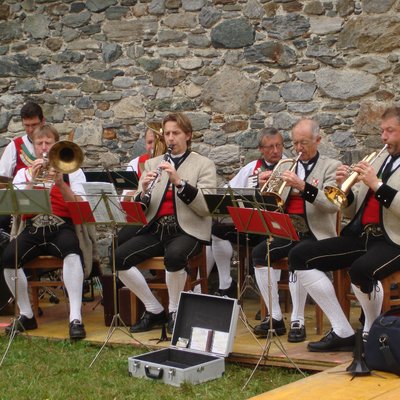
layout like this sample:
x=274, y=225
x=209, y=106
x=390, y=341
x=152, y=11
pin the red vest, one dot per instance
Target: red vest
x=142, y=159
x=23, y=160
x=167, y=205
x=371, y=210
x=295, y=205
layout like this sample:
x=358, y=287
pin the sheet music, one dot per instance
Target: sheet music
x=104, y=202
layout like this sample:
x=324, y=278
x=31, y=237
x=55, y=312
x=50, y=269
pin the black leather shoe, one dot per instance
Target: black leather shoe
x=76, y=330
x=297, y=332
x=148, y=322
x=262, y=329
x=171, y=322
x=230, y=292
x=22, y=323
x=257, y=317
x=332, y=342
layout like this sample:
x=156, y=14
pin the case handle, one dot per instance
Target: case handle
x=153, y=376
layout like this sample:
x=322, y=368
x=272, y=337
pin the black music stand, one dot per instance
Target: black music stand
x=16, y=202
x=106, y=209
x=270, y=224
x=125, y=180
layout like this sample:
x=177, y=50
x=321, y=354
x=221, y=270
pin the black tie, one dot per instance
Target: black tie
x=388, y=168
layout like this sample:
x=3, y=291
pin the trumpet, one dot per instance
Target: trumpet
x=338, y=194
x=147, y=194
x=275, y=185
x=64, y=156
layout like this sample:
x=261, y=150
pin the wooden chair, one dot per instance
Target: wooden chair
x=197, y=275
x=390, y=284
x=32, y=269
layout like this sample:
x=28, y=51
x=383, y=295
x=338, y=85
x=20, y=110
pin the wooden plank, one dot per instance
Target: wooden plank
x=336, y=384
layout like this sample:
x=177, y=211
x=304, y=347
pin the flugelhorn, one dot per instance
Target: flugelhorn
x=338, y=194
x=275, y=184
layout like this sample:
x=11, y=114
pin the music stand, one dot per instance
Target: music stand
x=16, y=202
x=125, y=180
x=106, y=209
x=270, y=224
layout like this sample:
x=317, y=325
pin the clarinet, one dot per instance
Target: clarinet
x=147, y=194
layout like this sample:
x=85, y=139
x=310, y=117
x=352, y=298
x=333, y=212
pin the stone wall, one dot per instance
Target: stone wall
x=104, y=67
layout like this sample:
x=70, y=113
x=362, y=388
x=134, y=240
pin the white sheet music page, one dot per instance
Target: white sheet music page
x=104, y=202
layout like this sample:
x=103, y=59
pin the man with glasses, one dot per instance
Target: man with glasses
x=253, y=174
x=19, y=153
x=314, y=218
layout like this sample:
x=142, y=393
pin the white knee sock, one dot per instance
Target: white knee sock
x=261, y=274
x=370, y=303
x=23, y=301
x=176, y=283
x=320, y=288
x=73, y=281
x=134, y=281
x=299, y=297
x=222, y=251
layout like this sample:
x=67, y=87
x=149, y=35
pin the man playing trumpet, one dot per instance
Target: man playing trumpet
x=314, y=218
x=47, y=235
x=369, y=245
x=178, y=221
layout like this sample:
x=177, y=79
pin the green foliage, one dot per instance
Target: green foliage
x=58, y=370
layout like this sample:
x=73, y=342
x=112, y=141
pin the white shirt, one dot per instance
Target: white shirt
x=8, y=160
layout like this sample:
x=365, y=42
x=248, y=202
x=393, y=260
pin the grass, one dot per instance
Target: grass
x=44, y=369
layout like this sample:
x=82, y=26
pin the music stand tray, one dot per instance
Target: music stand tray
x=124, y=180
x=25, y=201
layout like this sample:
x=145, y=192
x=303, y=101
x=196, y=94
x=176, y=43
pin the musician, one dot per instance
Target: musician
x=369, y=245
x=178, y=221
x=314, y=217
x=137, y=165
x=254, y=174
x=51, y=235
x=19, y=153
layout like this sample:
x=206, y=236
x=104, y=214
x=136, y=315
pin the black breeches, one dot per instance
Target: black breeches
x=174, y=245
x=369, y=258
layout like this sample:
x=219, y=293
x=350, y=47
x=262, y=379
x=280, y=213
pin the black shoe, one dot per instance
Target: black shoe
x=258, y=315
x=171, y=322
x=332, y=342
x=262, y=329
x=230, y=292
x=76, y=330
x=22, y=323
x=148, y=321
x=297, y=332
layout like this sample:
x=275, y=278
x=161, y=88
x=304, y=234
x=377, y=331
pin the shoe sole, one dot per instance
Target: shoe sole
x=77, y=337
x=157, y=325
x=295, y=340
x=334, y=350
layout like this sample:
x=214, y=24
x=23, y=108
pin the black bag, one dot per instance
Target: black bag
x=382, y=350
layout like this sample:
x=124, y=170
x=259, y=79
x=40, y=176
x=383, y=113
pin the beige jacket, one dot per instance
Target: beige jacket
x=193, y=214
x=321, y=214
x=390, y=217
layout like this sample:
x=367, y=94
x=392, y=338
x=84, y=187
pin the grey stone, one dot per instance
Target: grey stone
x=302, y=108
x=170, y=36
x=69, y=34
x=107, y=75
x=272, y=107
x=209, y=16
x=253, y=10
x=181, y=21
x=224, y=155
x=231, y=84
x=343, y=139
x=18, y=65
x=305, y=76
x=3, y=50
x=345, y=7
x=130, y=107
x=199, y=120
x=345, y=84
x=320, y=50
x=68, y=56
x=149, y=64
x=325, y=25
x=111, y=52
x=37, y=26
x=168, y=78
x=284, y=27
x=271, y=52
x=247, y=139
x=327, y=120
x=233, y=34
x=314, y=8
x=123, y=82
x=269, y=93
x=92, y=86
x=371, y=64
x=10, y=31
x=52, y=71
x=76, y=20
x=54, y=44
x=117, y=12
x=298, y=91
x=157, y=7
x=283, y=120
x=99, y=5
x=128, y=31
x=5, y=118
x=54, y=113
x=198, y=41
x=190, y=63
x=173, y=52
x=77, y=8
x=193, y=5
x=172, y=4
x=377, y=6
x=215, y=139
x=111, y=96
x=84, y=102
x=89, y=133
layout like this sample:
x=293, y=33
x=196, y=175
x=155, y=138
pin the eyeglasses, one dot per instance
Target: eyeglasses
x=272, y=147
